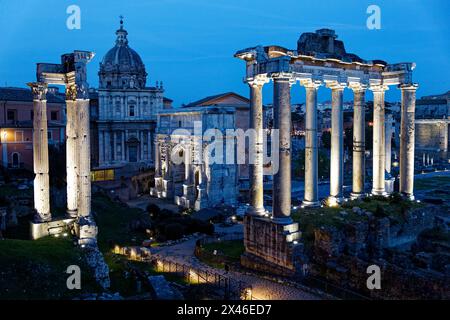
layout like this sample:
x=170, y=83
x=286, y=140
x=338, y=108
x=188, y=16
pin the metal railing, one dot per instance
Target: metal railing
x=232, y=289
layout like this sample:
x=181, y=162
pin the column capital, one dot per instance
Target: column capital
x=310, y=84
x=39, y=90
x=257, y=81
x=283, y=77
x=71, y=91
x=378, y=88
x=409, y=86
x=357, y=86
x=334, y=85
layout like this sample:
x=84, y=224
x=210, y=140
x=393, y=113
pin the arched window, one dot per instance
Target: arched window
x=15, y=160
x=131, y=111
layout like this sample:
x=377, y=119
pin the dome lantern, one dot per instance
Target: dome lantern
x=122, y=67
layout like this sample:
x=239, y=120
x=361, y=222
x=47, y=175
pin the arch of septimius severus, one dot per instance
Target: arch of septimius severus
x=319, y=61
x=71, y=73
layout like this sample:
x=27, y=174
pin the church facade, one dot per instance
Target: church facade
x=125, y=121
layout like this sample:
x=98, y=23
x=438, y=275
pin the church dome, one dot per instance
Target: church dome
x=122, y=67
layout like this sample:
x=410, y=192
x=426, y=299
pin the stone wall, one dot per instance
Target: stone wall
x=431, y=136
x=272, y=247
x=342, y=256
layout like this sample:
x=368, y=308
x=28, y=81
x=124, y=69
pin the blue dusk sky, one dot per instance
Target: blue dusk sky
x=189, y=44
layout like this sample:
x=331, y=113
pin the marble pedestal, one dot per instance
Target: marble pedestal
x=56, y=226
x=272, y=247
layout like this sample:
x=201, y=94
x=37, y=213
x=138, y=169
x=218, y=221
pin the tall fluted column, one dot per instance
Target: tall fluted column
x=84, y=178
x=407, y=140
x=337, y=145
x=311, y=197
x=187, y=163
x=359, y=144
x=282, y=122
x=256, y=154
x=40, y=152
x=157, y=159
x=388, y=145
x=379, y=160
x=72, y=152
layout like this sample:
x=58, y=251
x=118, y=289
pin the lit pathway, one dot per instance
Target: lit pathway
x=262, y=288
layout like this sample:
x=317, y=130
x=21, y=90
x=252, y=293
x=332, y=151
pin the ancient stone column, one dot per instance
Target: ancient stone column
x=72, y=150
x=282, y=122
x=359, y=145
x=84, y=169
x=187, y=163
x=256, y=149
x=157, y=159
x=337, y=145
x=311, y=198
x=379, y=161
x=407, y=140
x=40, y=152
x=388, y=145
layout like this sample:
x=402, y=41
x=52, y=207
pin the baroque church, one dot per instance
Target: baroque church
x=124, y=119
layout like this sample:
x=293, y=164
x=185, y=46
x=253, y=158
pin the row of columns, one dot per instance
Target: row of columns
x=282, y=122
x=77, y=154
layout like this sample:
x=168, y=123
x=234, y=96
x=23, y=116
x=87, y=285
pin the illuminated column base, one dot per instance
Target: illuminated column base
x=310, y=204
x=333, y=201
x=356, y=196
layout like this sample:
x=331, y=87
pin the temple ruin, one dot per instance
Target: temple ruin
x=71, y=73
x=271, y=238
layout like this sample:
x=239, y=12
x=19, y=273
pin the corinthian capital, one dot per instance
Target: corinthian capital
x=378, y=88
x=39, y=90
x=71, y=92
x=357, y=86
x=335, y=85
x=312, y=84
x=257, y=81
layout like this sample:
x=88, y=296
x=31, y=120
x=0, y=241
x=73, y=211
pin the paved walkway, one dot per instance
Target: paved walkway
x=262, y=289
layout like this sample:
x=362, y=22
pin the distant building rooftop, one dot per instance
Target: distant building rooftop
x=24, y=94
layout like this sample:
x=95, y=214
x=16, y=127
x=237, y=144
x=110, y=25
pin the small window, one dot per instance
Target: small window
x=18, y=136
x=54, y=115
x=131, y=111
x=108, y=83
x=11, y=115
x=49, y=135
x=179, y=124
x=31, y=114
